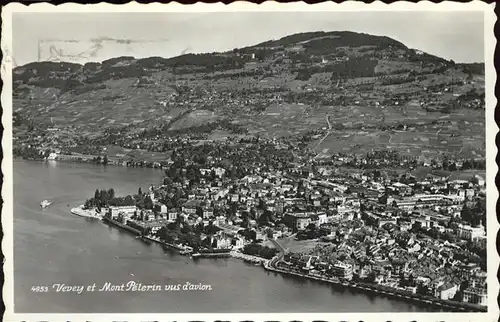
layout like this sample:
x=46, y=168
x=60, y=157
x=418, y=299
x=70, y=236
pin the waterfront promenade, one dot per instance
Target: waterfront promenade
x=272, y=265
x=249, y=258
x=372, y=288
x=183, y=250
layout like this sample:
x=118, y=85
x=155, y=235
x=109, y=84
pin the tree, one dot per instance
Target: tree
x=104, y=196
x=111, y=193
x=311, y=226
x=88, y=204
x=449, y=237
x=148, y=203
x=167, y=181
x=383, y=199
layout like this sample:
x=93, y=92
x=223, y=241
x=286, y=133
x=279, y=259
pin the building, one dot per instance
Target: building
x=221, y=241
x=446, y=291
x=238, y=242
x=300, y=220
x=163, y=209
x=422, y=200
x=208, y=213
x=470, y=233
x=342, y=270
x=475, y=295
x=402, y=188
x=128, y=211
x=52, y=156
x=386, y=220
x=191, y=206
x=399, y=266
x=297, y=221
x=172, y=216
x=319, y=219
x=404, y=226
x=279, y=207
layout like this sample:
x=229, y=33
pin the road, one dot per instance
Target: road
x=327, y=133
x=279, y=256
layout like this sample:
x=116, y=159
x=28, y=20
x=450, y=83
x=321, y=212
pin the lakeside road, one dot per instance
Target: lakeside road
x=373, y=288
x=271, y=265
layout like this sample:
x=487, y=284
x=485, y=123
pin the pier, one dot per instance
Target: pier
x=180, y=249
x=212, y=255
x=248, y=258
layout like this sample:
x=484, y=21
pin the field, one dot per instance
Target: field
x=116, y=152
x=463, y=133
x=246, y=91
x=195, y=118
x=407, y=143
x=283, y=120
x=299, y=246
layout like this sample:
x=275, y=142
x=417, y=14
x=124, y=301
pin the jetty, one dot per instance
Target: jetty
x=181, y=249
x=211, y=255
x=248, y=258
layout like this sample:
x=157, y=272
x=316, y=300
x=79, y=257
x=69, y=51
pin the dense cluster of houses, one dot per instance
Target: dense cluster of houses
x=376, y=228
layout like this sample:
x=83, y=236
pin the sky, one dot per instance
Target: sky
x=98, y=36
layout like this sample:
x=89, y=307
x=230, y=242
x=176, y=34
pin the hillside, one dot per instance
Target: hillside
x=359, y=90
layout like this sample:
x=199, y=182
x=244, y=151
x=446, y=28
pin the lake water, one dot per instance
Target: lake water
x=53, y=246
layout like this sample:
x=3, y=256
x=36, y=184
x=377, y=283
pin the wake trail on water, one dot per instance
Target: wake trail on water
x=68, y=199
x=132, y=257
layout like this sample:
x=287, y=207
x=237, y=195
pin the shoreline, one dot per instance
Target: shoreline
x=120, y=225
x=368, y=288
x=114, y=164
x=268, y=265
x=180, y=250
x=86, y=213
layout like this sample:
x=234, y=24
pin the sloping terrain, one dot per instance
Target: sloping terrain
x=367, y=86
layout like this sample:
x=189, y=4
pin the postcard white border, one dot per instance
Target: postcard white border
x=492, y=169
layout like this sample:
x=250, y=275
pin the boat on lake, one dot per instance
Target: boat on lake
x=45, y=203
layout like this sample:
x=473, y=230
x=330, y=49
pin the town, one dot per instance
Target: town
x=419, y=231
x=336, y=156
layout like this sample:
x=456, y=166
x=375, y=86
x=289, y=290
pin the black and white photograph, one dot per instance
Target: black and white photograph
x=172, y=159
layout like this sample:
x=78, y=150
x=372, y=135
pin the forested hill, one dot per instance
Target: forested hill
x=275, y=88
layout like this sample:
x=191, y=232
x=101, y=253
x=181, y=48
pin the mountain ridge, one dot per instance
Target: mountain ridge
x=275, y=88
